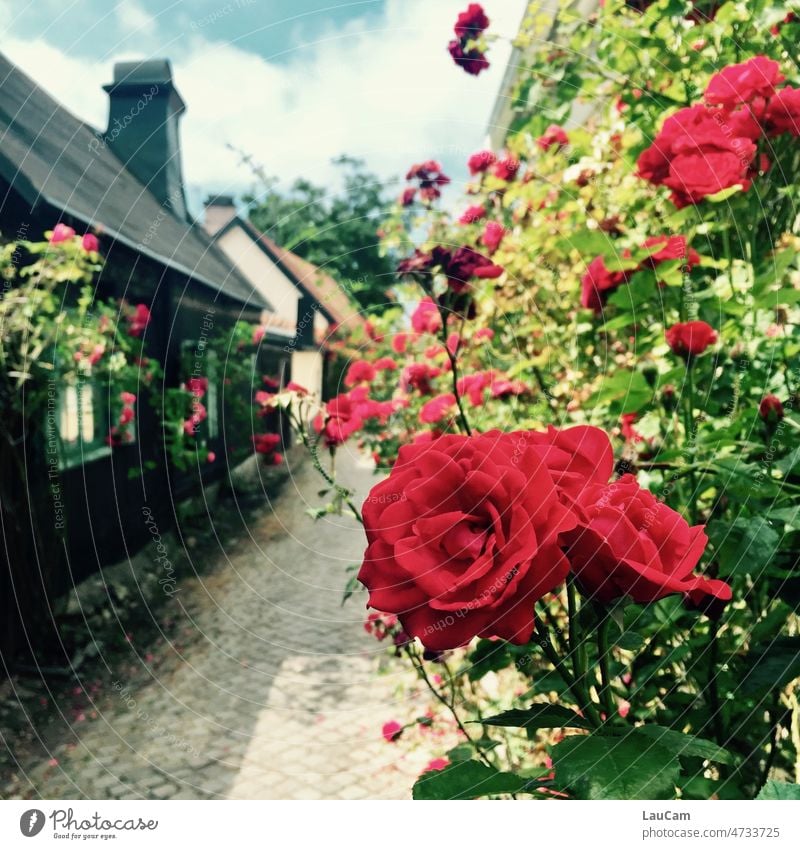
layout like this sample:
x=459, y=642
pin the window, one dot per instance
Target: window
x=80, y=435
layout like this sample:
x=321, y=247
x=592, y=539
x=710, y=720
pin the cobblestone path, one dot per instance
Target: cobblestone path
x=272, y=690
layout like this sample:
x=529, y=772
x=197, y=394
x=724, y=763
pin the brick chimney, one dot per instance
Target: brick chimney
x=143, y=116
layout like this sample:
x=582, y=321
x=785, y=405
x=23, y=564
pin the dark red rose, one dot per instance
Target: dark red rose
x=481, y=161
x=472, y=22
x=429, y=177
x=408, y=195
x=697, y=154
x=744, y=83
x=628, y=543
x=464, y=534
x=418, y=264
x=461, y=265
x=783, y=112
x=473, y=60
x=597, y=283
x=690, y=338
x=338, y=422
x=770, y=409
x=553, y=135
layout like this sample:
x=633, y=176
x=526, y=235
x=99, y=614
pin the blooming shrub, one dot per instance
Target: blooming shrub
x=588, y=447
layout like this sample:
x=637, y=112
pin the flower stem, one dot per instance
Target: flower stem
x=453, y=357
x=604, y=656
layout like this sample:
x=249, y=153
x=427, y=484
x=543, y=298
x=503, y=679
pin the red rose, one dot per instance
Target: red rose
x=138, y=320
x=417, y=376
x=338, y=422
x=359, y=371
x=429, y=177
x=437, y=408
x=464, y=534
x=743, y=83
x=690, y=338
x=493, y=234
x=407, y=197
x=425, y=318
x=506, y=169
x=783, y=112
x=697, y=154
x=628, y=543
x=61, y=233
x=553, y=135
x=770, y=409
x=480, y=162
x=597, y=282
x=674, y=248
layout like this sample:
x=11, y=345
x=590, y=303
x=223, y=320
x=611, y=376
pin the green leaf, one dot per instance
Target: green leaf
x=777, y=790
x=597, y=767
x=685, y=744
x=744, y=546
x=724, y=194
x=466, y=780
x=629, y=641
x=538, y=716
x=772, y=666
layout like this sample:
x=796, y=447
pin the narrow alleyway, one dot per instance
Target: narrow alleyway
x=272, y=691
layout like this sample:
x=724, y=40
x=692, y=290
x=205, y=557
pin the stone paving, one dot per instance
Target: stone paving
x=272, y=690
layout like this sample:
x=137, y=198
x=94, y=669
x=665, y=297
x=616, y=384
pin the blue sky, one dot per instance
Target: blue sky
x=293, y=82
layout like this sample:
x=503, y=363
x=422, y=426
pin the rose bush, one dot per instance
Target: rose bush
x=589, y=454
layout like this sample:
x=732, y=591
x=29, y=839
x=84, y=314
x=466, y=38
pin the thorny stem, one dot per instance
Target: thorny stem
x=712, y=687
x=341, y=491
x=453, y=357
x=420, y=668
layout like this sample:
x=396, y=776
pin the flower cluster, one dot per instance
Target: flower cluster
x=427, y=179
x=466, y=48
x=467, y=533
x=712, y=146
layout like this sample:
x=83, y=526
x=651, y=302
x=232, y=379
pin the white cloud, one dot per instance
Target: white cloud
x=389, y=93
x=134, y=19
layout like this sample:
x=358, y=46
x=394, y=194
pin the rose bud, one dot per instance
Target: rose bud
x=770, y=409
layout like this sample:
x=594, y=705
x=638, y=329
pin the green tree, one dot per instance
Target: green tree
x=337, y=232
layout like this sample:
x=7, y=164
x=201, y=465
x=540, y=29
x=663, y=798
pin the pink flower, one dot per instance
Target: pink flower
x=408, y=195
x=629, y=432
x=623, y=708
x=483, y=333
x=291, y=386
x=197, y=386
x=138, y=320
x=126, y=415
x=61, y=233
x=266, y=443
x=553, y=135
x=127, y=398
x=493, y=234
x=437, y=408
x=418, y=376
x=437, y=764
x=97, y=354
x=90, y=243
x=391, y=731
x=426, y=317
x=743, y=83
x=258, y=334
x=480, y=162
x=385, y=364
x=360, y=371
x=211, y=457
x=472, y=214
